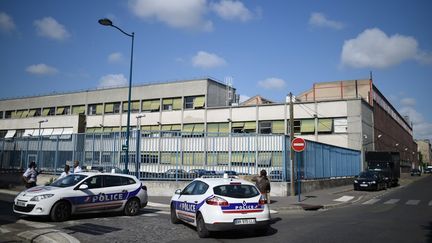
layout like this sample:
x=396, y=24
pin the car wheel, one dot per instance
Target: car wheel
x=132, y=207
x=174, y=218
x=201, y=228
x=61, y=211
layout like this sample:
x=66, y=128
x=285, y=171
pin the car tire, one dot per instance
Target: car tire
x=201, y=228
x=132, y=207
x=61, y=211
x=174, y=218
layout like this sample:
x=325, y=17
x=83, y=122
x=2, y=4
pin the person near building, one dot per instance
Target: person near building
x=263, y=184
x=76, y=167
x=30, y=175
x=66, y=172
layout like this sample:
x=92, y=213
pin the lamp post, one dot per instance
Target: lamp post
x=107, y=22
x=39, y=141
x=138, y=150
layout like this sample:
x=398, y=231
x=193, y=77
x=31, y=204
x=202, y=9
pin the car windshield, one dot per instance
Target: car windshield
x=367, y=175
x=69, y=180
x=236, y=191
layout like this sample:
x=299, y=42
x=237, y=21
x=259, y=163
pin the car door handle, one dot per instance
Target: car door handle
x=195, y=201
x=124, y=191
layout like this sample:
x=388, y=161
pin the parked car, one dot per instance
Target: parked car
x=219, y=204
x=230, y=172
x=195, y=173
x=102, y=168
x=369, y=180
x=176, y=173
x=428, y=170
x=82, y=193
x=415, y=172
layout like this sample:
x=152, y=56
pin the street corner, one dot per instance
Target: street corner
x=47, y=236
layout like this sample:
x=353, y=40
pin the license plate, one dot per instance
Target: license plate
x=20, y=203
x=363, y=185
x=244, y=221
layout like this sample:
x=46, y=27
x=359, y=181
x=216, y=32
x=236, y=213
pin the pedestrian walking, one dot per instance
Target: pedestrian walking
x=66, y=172
x=76, y=167
x=30, y=175
x=263, y=184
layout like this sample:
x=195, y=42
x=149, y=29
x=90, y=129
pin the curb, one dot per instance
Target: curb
x=47, y=236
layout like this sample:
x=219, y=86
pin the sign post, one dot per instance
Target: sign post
x=298, y=145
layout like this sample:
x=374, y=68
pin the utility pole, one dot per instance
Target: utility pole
x=291, y=119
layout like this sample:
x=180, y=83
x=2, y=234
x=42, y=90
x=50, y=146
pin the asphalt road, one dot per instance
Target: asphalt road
x=403, y=215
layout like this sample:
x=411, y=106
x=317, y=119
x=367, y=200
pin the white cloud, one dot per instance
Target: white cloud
x=187, y=14
x=232, y=10
x=408, y=102
x=116, y=57
x=243, y=98
x=373, y=48
x=421, y=128
x=6, y=22
x=207, y=60
x=272, y=83
x=41, y=69
x=50, y=28
x=112, y=80
x=320, y=20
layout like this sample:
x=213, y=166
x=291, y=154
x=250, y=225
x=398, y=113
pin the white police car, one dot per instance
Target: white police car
x=82, y=193
x=217, y=204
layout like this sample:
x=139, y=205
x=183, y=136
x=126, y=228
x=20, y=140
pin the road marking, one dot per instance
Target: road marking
x=149, y=215
x=412, y=202
x=344, y=199
x=430, y=203
x=37, y=225
x=4, y=230
x=158, y=205
x=392, y=201
x=372, y=201
x=163, y=212
x=273, y=212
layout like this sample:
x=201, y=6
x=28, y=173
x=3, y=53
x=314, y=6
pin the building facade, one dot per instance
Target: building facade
x=425, y=151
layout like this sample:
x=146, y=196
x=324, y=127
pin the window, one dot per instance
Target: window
x=244, y=127
x=64, y=110
x=325, y=125
x=112, y=108
x=150, y=105
x=307, y=126
x=94, y=109
x=200, y=188
x=297, y=126
x=1, y=114
x=135, y=106
x=78, y=109
x=278, y=127
x=8, y=114
x=3, y=133
x=94, y=182
x=265, y=127
x=34, y=112
x=113, y=181
x=171, y=104
x=194, y=102
x=189, y=189
x=340, y=125
x=193, y=129
x=48, y=111
x=236, y=191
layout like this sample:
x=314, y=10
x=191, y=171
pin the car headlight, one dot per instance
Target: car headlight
x=41, y=197
x=355, y=181
x=373, y=182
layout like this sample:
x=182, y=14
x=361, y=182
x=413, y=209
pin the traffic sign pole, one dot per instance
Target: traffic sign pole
x=298, y=145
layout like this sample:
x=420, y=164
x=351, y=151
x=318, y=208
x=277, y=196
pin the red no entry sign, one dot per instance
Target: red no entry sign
x=298, y=144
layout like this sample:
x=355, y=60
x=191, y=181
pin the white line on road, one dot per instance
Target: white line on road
x=392, y=201
x=4, y=230
x=37, y=225
x=372, y=201
x=149, y=215
x=158, y=205
x=344, y=199
x=412, y=202
x=163, y=212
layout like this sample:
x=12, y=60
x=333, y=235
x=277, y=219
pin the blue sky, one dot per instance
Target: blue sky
x=269, y=48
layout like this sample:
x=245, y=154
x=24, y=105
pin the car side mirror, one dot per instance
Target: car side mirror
x=83, y=187
x=178, y=192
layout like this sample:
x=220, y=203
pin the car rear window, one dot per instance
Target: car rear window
x=236, y=191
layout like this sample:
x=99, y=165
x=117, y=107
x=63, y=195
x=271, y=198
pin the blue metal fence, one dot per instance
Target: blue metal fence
x=180, y=155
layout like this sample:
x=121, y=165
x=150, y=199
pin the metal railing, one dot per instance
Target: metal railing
x=167, y=155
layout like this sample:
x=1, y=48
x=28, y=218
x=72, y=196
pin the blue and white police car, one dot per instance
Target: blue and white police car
x=83, y=193
x=219, y=204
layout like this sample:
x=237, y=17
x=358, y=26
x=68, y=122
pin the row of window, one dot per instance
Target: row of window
x=167, y=104
x=306, y=126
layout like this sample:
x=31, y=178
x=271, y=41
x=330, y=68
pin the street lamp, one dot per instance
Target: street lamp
x=107, y=22
x=39, y=141
x=138, y=150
